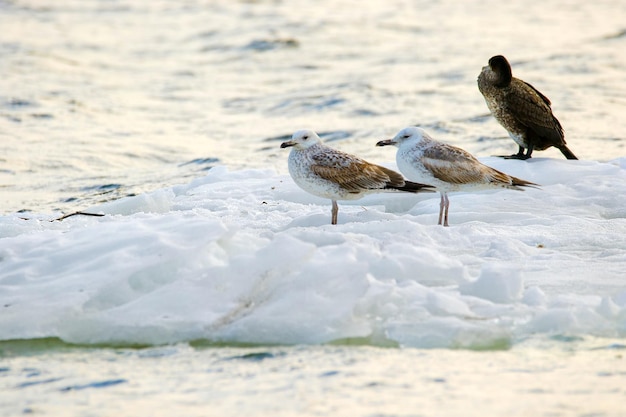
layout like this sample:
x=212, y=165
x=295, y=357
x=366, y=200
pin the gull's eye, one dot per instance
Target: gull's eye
x=305, y=137
x=406, y=136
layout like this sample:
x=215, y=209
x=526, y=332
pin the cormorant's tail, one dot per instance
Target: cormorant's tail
x=568, y=154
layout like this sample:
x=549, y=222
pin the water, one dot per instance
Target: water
x=316, y=381
x=520, y=313
x=100, y=100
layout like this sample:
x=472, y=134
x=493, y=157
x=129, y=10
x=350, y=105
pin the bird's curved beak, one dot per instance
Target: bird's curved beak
x=287, y=144
x=386, y=142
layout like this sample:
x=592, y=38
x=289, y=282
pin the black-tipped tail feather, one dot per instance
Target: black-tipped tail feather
x=413, y=187
x=518, y=182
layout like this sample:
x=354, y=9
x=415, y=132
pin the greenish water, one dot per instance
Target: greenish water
x=550, y=378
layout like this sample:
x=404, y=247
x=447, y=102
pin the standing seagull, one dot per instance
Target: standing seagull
x=522, y=110
x=448, y=168
x=329, y=173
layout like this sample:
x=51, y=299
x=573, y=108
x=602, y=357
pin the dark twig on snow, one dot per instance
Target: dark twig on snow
x=76, y=213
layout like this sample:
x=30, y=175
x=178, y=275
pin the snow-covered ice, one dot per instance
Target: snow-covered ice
x=248, y=257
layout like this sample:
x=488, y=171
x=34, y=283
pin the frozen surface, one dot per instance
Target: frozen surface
x=247, y=257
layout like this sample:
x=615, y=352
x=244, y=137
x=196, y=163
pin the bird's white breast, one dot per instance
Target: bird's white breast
x=410, y=165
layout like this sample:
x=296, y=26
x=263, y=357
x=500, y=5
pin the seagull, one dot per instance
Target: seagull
x=521, y=109
x=448, y=168
x=329, y=173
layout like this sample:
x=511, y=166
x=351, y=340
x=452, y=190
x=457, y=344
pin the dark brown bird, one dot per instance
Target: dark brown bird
x=521, y=109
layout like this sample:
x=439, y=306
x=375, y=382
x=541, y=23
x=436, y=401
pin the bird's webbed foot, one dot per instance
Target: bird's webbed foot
x=521, y=156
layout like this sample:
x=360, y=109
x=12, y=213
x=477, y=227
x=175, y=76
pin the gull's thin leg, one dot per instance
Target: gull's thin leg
x=441, y=206
x=334, y=212
x=447, y=206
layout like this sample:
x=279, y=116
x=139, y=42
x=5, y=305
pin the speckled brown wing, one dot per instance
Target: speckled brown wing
x=354, y=174
x=532, y=109
x=456, y=166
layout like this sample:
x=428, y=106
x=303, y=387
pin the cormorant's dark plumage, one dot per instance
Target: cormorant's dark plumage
x=521, y=109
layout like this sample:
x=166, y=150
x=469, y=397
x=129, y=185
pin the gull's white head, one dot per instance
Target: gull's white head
x=412, y=134
x=302, y=139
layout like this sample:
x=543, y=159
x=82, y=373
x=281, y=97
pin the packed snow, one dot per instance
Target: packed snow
x=248, y=257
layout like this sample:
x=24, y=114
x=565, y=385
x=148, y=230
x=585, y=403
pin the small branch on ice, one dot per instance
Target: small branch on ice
x=76, y=213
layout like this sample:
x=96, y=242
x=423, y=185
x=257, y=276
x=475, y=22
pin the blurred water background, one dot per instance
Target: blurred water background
x=101, y=99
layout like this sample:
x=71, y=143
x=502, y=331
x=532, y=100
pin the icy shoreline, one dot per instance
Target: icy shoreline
x=248, y=257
